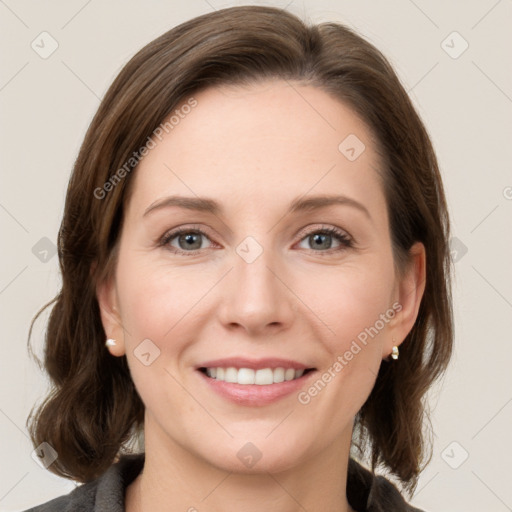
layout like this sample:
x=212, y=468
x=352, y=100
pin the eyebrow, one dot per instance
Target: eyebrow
x=205, y=204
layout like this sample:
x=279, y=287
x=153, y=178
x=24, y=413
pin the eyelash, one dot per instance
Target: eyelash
x=345, y=241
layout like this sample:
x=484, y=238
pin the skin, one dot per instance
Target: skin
x=254, y=149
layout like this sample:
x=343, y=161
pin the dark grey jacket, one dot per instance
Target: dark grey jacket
x=365, y=492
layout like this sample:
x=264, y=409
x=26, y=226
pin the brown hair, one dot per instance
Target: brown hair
x=94, y=409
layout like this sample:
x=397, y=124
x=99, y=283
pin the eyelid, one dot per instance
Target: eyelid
x=344, y=237
x=308, y=230
x=174, y=232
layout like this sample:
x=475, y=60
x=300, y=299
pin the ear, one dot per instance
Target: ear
x=409, y=292
x=106, y=294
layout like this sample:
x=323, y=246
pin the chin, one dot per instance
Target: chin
x=256, y=454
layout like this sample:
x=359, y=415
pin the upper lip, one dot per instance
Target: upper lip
x=255, y=364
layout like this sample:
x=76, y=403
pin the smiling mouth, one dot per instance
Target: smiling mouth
x=249, y=376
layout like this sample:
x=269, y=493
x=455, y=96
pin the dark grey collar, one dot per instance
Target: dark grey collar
x=365, y=491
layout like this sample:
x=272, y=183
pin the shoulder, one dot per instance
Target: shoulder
x=105, y=493
x=367, y=492
x=80, y=499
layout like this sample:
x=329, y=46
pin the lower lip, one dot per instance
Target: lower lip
x=254, y=394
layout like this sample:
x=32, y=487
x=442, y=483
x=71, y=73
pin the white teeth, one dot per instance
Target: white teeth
x=231, y=375
x=289, y=374
x=278, y=375
x=246, y=376
x=262, y=377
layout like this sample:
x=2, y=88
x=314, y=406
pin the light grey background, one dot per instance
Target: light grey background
x=466, y=102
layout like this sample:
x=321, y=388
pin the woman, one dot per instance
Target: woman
x=256, y=277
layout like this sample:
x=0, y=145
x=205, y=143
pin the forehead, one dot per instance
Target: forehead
x=269, y=141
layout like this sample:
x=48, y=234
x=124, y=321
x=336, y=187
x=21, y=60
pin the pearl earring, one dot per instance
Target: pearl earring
x=110, y=342
x=394, y=352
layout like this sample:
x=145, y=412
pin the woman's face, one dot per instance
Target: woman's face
x=284, y=264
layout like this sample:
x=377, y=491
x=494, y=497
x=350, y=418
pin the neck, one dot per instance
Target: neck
x=173, y=478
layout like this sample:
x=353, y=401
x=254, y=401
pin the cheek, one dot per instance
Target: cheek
x=157, y=303
x=155, y=296
x=351, y=300
x=158, y=300
x=356, y=304
x=353, y=352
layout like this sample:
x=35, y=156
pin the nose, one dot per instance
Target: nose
x=256, y=296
